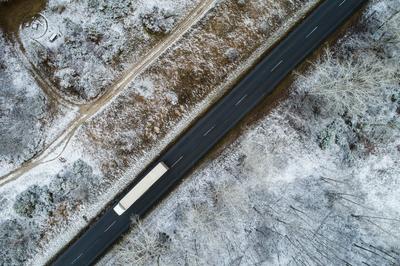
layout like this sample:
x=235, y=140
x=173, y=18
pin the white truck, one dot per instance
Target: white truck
x=137, y=191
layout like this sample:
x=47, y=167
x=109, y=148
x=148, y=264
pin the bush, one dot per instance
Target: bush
x=18, y=239
x=34, y=200
x=158, y=21
x=348, y=86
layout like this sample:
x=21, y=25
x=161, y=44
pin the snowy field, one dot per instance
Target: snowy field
x=28, y=119
x=314, y=182
x=183, y=82
x=83, y=46
x=21, y=37
x=106, y=141
x=63, y=55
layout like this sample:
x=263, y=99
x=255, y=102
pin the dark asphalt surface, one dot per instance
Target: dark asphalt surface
x=206, y=132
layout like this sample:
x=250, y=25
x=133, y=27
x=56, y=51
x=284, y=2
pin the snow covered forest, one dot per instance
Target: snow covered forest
x=105, y=142
x=90, y=91
x=315, y=182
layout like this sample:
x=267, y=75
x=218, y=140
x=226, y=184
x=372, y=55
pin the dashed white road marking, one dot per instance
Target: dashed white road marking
x=108, y=228
x=177, y=161
x=342, y=2
x=308, y=35
x=77, y=258
x=240, y=100
x=280, y=62
x=208, y=131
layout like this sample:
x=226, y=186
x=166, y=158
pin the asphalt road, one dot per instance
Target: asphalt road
x=208, y=130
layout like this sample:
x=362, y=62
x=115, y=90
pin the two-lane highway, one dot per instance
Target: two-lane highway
x=211, y=128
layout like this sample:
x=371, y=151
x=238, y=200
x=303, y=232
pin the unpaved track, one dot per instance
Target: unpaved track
x=89, y=110
x=52, y=93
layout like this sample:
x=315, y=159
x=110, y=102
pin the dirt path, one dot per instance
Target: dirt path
x=49, y=153
x=45, y=84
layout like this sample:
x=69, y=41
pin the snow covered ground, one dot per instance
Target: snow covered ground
x=22, y=107
x=72, y=113
x=314, y=182
x=321, y=191
x=84, y=46
x=28, y=119
x=47, y=202
x=182, y=83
